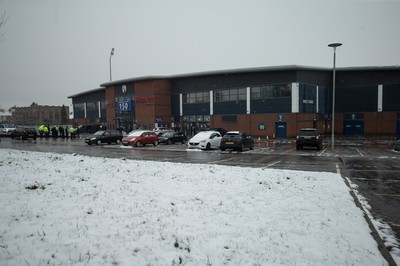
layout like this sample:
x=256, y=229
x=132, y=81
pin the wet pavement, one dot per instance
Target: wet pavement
x=372, y=165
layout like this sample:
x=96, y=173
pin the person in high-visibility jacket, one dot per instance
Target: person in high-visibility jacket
x=42, y=130
x=72, y=131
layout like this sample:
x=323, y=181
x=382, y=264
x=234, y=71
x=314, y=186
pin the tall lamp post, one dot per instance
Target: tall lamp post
x=111, y=54
x=334, y=45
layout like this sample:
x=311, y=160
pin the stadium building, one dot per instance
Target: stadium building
x=267, y=101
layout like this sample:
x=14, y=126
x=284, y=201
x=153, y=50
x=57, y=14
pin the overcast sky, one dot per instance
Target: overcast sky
x=56, y=48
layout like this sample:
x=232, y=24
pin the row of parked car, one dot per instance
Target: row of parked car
x=205, y=140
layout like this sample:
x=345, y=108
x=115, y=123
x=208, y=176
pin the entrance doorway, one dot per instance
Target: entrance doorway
x=353, y=128
x=280, y=130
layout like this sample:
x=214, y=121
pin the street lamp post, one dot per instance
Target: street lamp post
x=111, y=54
x=334, y=45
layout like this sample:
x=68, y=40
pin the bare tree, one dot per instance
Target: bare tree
x=3, y=21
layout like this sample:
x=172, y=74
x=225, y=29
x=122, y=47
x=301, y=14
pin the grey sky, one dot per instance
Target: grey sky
x=57, y=48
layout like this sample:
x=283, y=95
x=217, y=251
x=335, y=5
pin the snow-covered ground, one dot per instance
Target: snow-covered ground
x=76, y=210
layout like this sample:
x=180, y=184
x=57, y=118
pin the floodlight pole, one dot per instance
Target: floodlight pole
x=111, y=54
x=334, y=45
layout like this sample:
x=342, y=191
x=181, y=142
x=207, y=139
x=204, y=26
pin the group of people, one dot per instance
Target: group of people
x=44, y=131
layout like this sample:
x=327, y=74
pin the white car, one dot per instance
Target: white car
x=205, y=140
x=7, y=129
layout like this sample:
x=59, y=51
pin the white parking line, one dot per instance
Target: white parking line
x=360, y=152
x=271, y=164
x=319, y=154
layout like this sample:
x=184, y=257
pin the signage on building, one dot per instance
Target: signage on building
x=123, y=89
x=262, y=127
x=144, y=100
x=308, y=101
x=280, y=117
x=125, y=106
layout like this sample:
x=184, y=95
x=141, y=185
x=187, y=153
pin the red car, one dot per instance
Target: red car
x=140, y=138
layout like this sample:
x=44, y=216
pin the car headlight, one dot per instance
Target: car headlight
x=92, y=138
x=203, y=141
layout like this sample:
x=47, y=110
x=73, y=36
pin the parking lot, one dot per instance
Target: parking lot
x=371, y=165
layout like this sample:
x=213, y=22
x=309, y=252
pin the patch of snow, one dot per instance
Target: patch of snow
x=102, y=211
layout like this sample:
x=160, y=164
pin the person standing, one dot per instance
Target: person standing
x=61, y=130
x=66, y=132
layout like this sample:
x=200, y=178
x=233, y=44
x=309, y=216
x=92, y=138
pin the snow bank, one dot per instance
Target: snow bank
x=67, y=209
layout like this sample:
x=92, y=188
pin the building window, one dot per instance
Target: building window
x=79, y=107
x=103, y=105
x=271, y=91
x=92, y=106
x=230, y=95
x=196, y=97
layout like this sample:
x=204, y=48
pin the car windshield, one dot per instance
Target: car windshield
x=168, y=134
x=232, y=134
x=135, y=133
x=99, y=133
x=308, y=133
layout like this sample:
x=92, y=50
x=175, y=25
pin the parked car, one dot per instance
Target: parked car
x=90, y=128
x=205, y=140
x=104, y=136
x=236, y=140
x=140, y=138
x=396, y=144
x=308, y=137
x=24, y=133
x=7, y=129
x=161, y=130
x=220, y=130
x=171, y=137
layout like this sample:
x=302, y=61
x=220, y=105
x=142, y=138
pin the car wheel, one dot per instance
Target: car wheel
x=208, y=146
x=222, y=149
x=242, y=148
x=319, y=146
x=118, y=142
x=98, y=142
x=252, y=146
x=183, y=141
x=297, y=147
x=155, y=143
x=169, y=142
x=137, y=144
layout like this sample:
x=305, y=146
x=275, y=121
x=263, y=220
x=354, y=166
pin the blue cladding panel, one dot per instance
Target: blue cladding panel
x=276, y=105
x=391, y=98
x=361, y=99
x=196, y=109
x=226, y=108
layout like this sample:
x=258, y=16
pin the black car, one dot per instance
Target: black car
x=104, y=136
x=24, y=133
x=172, y=137
x=236, y=140
x=308, y=137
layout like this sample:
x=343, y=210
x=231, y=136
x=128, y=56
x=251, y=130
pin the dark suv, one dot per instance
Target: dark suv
x=308, y=137
x=24, y=133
